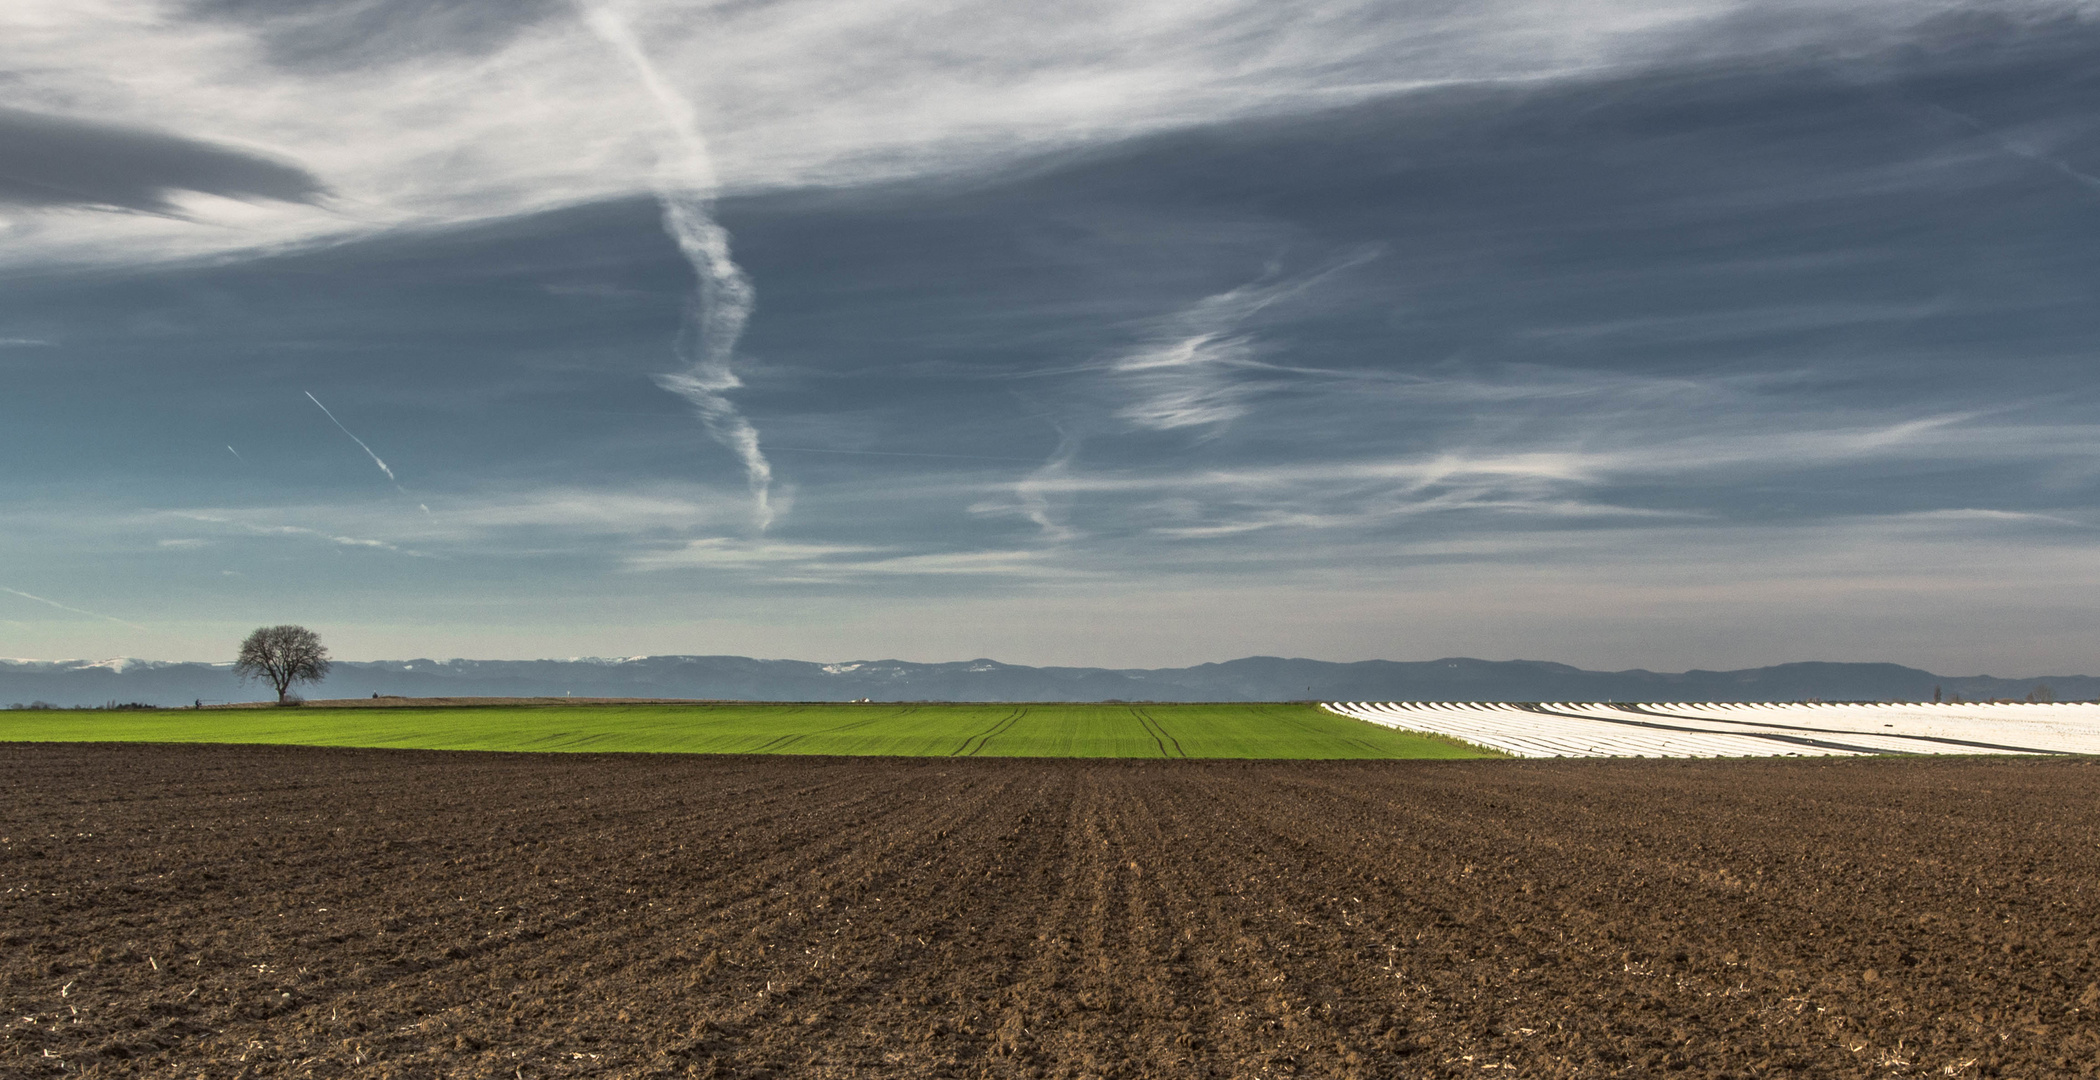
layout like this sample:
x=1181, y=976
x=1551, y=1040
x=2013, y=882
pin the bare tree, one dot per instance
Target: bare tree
x=281, y=656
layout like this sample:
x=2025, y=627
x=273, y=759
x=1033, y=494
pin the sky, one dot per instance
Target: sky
x=1661, y=335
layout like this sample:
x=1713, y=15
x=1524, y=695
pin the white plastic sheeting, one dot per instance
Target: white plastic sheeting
x=1693, y=729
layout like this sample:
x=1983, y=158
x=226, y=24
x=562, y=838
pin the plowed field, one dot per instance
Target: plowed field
x=184, y=911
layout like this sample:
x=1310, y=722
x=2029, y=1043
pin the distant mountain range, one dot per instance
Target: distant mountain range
x=1256, y=678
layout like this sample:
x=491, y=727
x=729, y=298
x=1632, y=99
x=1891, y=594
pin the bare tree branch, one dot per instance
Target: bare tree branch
x=281, y=656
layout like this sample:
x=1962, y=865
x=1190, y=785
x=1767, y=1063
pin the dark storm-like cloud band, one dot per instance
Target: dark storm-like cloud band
x=51, y=161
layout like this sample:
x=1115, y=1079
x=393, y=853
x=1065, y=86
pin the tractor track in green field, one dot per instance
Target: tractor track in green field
x=1158, y=731
x=776, y=745
x=983, y=738
x=1146, y=723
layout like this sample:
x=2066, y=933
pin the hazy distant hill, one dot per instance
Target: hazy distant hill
x=1256, y=678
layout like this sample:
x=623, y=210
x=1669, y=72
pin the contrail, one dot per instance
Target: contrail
x=2019, y=149
x=685, y=188
x=237, y=454
x=353, y=438
x=896, y=453
x=74, y=610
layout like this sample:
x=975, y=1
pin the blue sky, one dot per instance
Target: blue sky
x=1658, y=335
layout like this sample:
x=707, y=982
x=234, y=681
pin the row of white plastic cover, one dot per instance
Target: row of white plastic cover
x=1693, y=729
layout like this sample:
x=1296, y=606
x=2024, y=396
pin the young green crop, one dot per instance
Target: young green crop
x=918, y=730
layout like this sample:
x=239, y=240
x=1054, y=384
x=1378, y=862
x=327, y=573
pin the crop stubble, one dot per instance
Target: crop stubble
x=286, y=911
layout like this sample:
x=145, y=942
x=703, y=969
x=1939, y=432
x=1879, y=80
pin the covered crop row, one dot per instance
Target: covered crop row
x=1576, y=729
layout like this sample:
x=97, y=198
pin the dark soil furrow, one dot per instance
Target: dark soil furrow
x=1032, y=1005
x=274, y=911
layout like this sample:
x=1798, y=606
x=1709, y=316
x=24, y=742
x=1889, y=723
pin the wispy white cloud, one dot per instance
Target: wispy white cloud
x=1567, y=482
x=575, y=521
x=1188, y=381
x=1866, y=586
x=823, y=91
x=1756, y=321
x=1381, y=512
x=256, y=529
x=586, y=511
x=719, y=552
x=1963, y=517
x=1200, y=366
x=780, y=561
x=345, y=541
x=1191, y=376
x=1023, y=563
x=1923, y=437
x=1100, y=518
x=1414, y=472
x=1034, y=491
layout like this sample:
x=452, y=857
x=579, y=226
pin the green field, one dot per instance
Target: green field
x=918, y=730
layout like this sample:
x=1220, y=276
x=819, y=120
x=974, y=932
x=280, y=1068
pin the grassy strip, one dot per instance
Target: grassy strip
x=917, y=730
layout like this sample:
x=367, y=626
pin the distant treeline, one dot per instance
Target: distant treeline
x=1261, y=678
x=112, y=706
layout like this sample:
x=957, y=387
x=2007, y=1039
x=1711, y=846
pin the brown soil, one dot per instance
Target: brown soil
x=180, y=911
